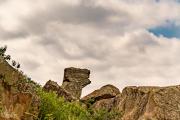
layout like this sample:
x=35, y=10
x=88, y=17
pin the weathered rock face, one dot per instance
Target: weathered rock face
x=53, y=86
x=107, y=104
x=105, y=92
x=74, y=80
x=138, y=103
x=17, y=99
x=149, y=103
x=103, y=98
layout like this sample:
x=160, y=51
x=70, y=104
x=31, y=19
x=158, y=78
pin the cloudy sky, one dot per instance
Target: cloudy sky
x=122, y=42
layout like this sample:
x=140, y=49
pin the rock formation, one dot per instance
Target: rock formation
x=17, y=99
x=105, y=92
x=103, y=98
x=138, y=103
x=53, y=86
x=74, y=80
x=149, y=103
x=134, y=103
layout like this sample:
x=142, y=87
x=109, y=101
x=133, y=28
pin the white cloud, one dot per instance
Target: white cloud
x=107, y=37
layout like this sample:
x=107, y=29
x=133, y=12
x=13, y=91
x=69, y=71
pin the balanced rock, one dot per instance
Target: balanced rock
x=53, y=86
x=74, y=80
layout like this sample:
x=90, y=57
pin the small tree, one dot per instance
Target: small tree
x=3, y=50
x=18, y=65
x=14, y=63
x=7, y=57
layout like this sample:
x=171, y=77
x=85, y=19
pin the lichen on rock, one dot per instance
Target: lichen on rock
x=75, y=79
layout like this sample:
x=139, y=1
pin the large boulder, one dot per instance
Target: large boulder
x=105, y=92
x=74, y=80
x=103, y=98
x=149, y=103
x=53, y=86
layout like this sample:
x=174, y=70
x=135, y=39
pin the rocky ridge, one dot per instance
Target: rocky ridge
x=18, y=100
x=136, y=103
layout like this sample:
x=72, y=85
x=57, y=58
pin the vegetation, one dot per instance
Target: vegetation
x=54, y=108
x=3, y=50
x=8, y=57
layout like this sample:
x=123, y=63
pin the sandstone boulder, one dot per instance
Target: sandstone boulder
x=53, y=86
x=74, y=80
x=103, y=98
x=105, y=92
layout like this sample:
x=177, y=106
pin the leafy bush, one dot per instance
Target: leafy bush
x=54, y=108
x=3, y=50
x=58, y=109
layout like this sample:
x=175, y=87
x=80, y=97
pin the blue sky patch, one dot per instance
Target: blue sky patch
x=169, y=30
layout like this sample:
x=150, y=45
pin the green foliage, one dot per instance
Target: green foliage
x=8, y=57
x=3, y=50
x=54, y=108
x=90, y=102
x=2, y=53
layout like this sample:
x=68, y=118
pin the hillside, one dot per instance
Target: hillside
x=23, y=99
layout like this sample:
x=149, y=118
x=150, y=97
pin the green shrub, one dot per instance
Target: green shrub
x=58, y=109
x=54, y=108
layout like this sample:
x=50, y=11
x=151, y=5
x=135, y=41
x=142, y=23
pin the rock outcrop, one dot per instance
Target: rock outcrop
x=53, y=86
x=107, y=104
x=149, y=103
x=105, y=92
x=138, y=103
x=74, y=80
x=103, y=98
x=18, y=100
